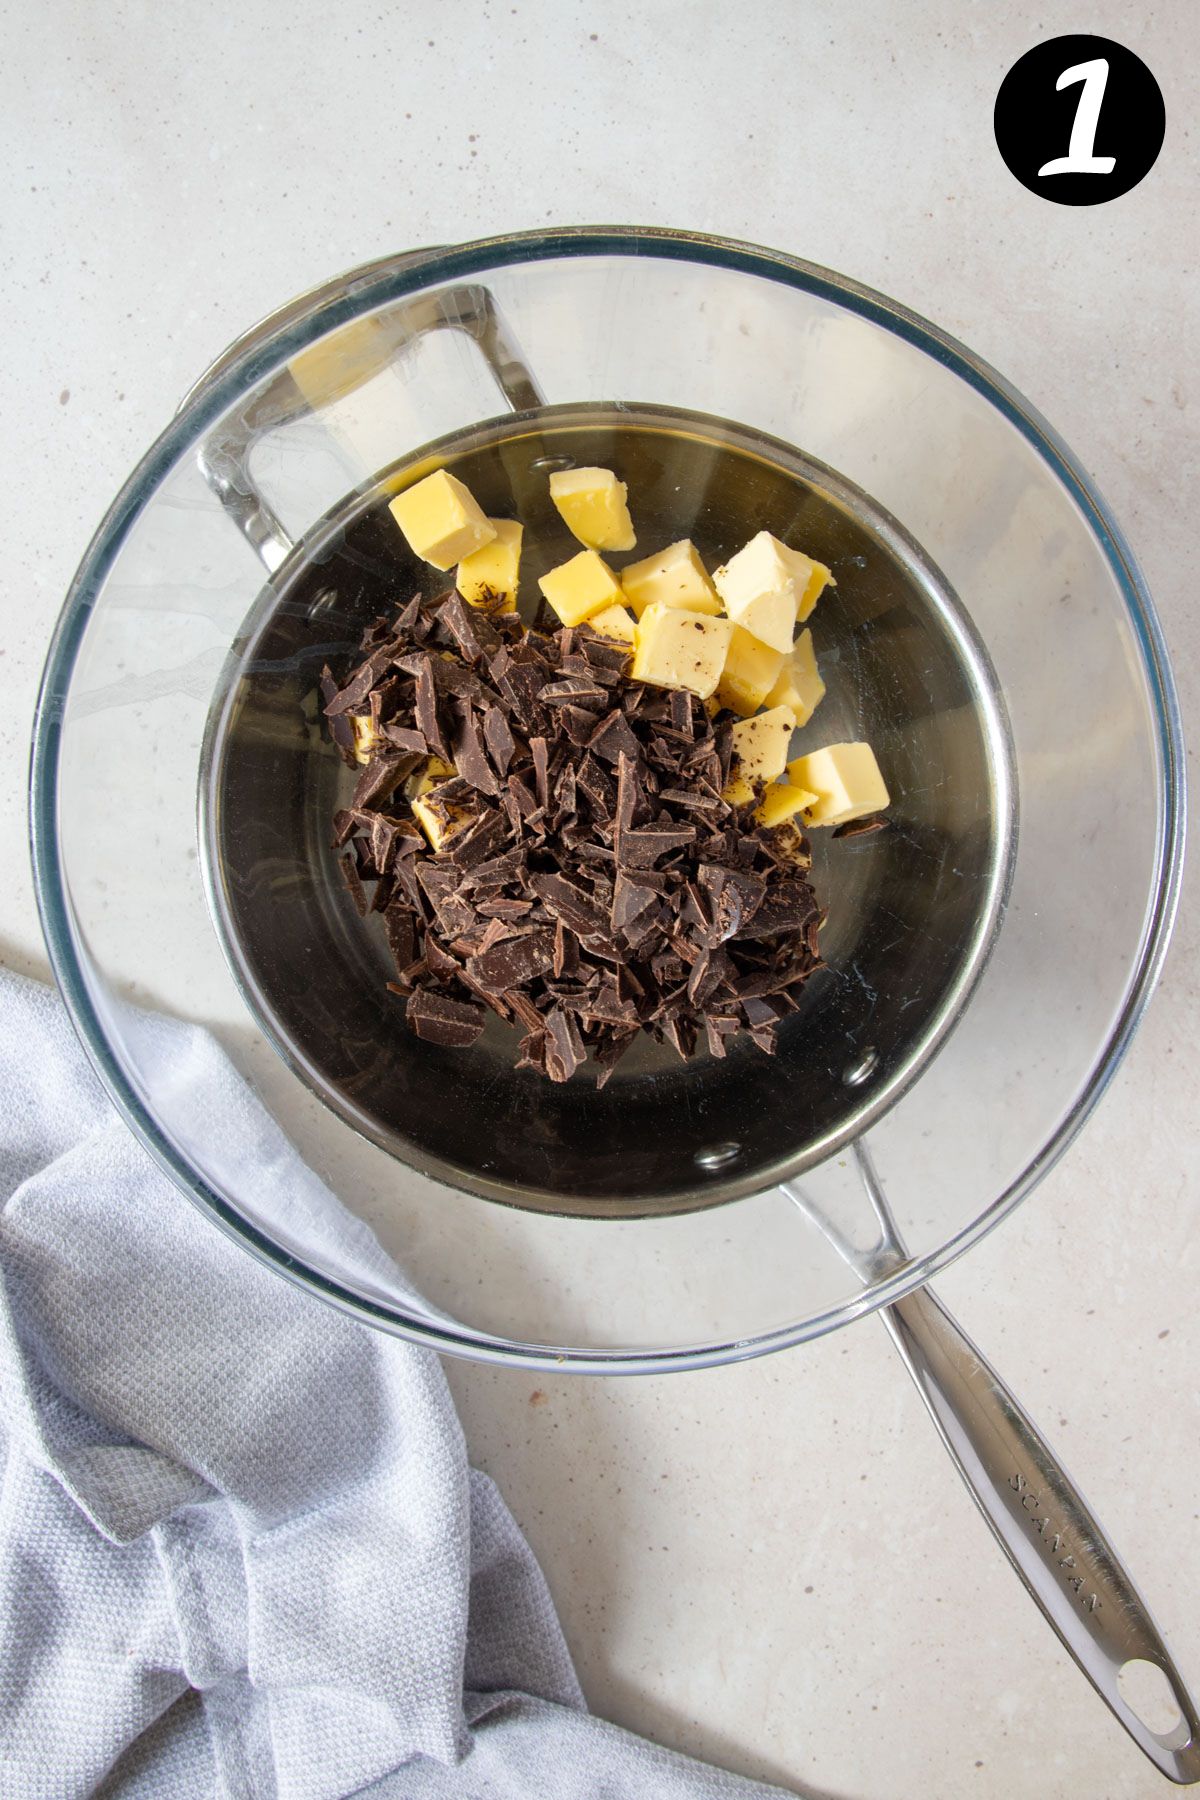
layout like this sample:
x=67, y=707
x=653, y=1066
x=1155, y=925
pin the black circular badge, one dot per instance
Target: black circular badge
x=1079, y=120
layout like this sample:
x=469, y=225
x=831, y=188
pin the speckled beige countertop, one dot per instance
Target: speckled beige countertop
x=773, y=1565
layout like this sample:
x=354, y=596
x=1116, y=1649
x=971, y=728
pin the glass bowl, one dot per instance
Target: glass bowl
x=1030, y=871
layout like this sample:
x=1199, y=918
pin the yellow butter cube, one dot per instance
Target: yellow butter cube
x=846, y=780
x=760, y=748
x=767, y=587
x=439, y=823
x=441, y=519
x=678, y=649
x=592, y=505
x=675, y=576
x=488, y=577
x=438, y=819
x=771, y=618
x=614, y=622
x=781, y=802
x=581, y=587
x=819, y=578
x=799, y=685
x=750, y=670
x=432, y=771
x=366, y=739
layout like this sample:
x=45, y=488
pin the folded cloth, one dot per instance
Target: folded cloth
x=241, y=1549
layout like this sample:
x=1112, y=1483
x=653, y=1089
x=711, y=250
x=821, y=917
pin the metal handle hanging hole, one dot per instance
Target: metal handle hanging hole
x=1146, y=1690
x=552, y=462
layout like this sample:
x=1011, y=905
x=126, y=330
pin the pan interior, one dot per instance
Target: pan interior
x=911, y=910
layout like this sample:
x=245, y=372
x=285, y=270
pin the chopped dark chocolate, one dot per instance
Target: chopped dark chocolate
x=440, y=1020
x=427, y=713
x=499, y=739
x=587, y=881
x=613, y=738
x=513, y=963
x=571, y=904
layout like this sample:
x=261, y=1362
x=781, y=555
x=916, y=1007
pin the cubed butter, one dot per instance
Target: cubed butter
x=674, y=577
x=678, y=649
x=366, y=738
x=790, y=843
x=782, y=801
x=799, y=685
x=846, y=780
x=819, y=578
x=767, y=587
x=614, y=622
x=441, y=519
x=428, y=776
x=488, y=577
x=750, y=670
x=440, y=819
x=593, y=508
x=581, y=587
x=760, y=748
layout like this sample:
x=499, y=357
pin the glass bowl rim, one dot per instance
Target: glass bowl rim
x=393, y=278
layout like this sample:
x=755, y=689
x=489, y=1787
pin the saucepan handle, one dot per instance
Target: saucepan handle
x=224, y=456
x=1043, y=1524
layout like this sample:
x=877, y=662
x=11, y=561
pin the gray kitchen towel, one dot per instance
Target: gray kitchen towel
x=241, y=1549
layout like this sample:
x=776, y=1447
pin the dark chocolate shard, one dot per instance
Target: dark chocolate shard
x=734, y=897
x=681, y=712
x=399, y=930
x=353, y=880
x=786, y=906
x=571, y=904
x=440, y=1020
x=406, y=618
x=499, y=739
x=577, y=724
x=564, y=1046
x=629, y=901
x=610, y=1051
x=466, y=748
x=540, y=751
x=613, y=738
x=479, y=841
x=642, y=848
x=471, y=629
x=603, y=652
x=572, y=690
x=406, y=737
x=351, y=697
x=591, y=780
x=428, y=722
x=514, y=962
x=442, y=966
x=381, y=777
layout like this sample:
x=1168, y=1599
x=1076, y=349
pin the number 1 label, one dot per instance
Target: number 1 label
x=1081, y=158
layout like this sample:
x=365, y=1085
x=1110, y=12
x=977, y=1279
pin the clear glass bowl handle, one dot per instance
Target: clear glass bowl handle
x=224, y=456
